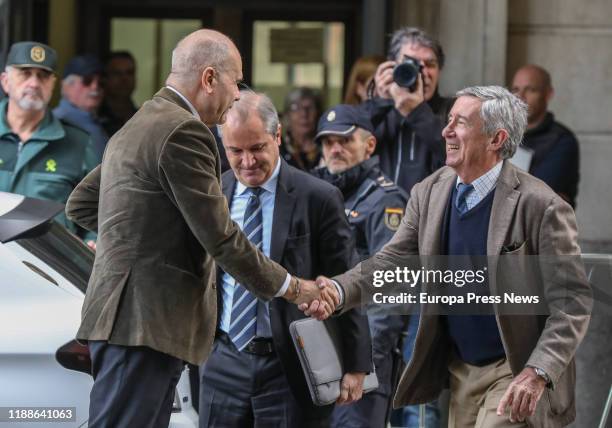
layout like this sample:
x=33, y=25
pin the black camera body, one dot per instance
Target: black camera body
x=406, y=73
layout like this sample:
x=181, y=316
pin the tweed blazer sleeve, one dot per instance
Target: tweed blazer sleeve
x=188, y=173
x=404, y=243
x=569, y=297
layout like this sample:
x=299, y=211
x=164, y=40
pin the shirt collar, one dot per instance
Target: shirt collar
x=269, y=185
x=486, y=182
x=181, y=96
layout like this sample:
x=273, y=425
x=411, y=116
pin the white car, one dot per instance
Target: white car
x=44, y=372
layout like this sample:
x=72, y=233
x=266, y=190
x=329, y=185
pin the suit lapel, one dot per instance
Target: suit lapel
x=504, y=204
x=284, y=203
x=228, y=185
x=440, y=193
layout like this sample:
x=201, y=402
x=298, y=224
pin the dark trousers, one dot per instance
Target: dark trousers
x=133, y=386
x=242, y=390
x=369, y=412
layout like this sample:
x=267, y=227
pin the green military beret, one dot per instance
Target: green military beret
x=32, y=54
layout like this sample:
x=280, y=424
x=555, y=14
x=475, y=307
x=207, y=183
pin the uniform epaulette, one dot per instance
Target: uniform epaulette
x=386, y=184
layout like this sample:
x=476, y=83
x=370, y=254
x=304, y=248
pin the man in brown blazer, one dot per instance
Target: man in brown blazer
x=162, y=222
x=498, y=366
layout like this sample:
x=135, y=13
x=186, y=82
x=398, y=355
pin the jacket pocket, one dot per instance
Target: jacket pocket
x=514, y=248
x=51, y=186
x=175, y=270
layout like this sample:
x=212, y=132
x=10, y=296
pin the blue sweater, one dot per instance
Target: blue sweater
x=476, y=337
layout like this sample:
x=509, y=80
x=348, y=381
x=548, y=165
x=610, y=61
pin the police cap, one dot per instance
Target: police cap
x=343, y=120
x=32, y=54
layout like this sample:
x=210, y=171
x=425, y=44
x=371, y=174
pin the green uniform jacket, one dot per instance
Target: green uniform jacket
x=47, y=166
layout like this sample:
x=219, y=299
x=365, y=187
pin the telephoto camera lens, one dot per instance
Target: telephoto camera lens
x=405, y=73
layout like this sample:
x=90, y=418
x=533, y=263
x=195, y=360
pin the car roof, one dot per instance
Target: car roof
x=21, y=216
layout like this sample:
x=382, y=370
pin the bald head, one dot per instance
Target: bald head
x=536, y=74
x=533, y=85
x=206, y=69
x=198, y=50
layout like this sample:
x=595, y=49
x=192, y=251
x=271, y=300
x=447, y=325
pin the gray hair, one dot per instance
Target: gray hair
x=414, y=35
x=68, y=81
x=259, y=103
x=500, y=110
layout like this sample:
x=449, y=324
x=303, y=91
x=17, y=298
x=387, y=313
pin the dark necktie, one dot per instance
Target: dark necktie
x=243, y=324
x=461, y=200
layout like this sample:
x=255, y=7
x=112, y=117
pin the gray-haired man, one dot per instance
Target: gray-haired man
x=298, y=221
x=499, y=365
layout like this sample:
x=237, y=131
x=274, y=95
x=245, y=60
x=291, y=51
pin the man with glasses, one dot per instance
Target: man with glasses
x=40, y=156
x=81, y=96
x=302, y=110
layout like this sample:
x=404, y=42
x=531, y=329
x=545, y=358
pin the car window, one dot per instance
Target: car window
x=63, y=252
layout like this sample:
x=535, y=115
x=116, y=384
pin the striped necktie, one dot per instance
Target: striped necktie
x=244, y=304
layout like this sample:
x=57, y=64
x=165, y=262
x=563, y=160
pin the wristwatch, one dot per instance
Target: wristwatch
x=541, y=373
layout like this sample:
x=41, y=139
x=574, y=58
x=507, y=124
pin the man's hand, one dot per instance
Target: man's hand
x=314, y=308
x=351, y=388
x=405, y=100
x=320, y=300
x=91, y=244
x=522, y=395
x=383, y=78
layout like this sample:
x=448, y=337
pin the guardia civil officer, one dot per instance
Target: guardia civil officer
x=40, y=155
x=374, y=206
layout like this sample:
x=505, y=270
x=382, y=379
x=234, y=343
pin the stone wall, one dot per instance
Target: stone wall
x=572, y=40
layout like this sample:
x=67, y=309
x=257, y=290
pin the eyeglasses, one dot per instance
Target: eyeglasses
x=295, y=107
x=88, y=80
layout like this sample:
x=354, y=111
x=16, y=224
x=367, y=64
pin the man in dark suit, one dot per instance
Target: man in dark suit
x=162, y=223
x=506, y=367
x=299, y=222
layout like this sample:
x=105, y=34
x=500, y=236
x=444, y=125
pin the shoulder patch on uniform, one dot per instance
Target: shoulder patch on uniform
x=393, y=218
x=385, y=183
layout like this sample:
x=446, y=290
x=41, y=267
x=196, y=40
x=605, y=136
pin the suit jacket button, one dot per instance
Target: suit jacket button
x=214, y=286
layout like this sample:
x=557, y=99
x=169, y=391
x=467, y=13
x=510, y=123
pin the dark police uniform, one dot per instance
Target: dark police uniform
x=374, y=206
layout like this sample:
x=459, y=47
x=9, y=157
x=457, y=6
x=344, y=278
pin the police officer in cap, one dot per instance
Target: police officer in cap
x=40, y=156
x=374, y=206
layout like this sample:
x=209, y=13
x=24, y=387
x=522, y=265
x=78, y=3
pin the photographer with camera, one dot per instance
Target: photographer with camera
x=408, y=115
x=407, y=111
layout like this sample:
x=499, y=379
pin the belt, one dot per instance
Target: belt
x=259, y=346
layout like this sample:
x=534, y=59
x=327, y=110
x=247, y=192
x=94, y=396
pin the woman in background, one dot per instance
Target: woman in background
x=302, y=110
x=361, y=75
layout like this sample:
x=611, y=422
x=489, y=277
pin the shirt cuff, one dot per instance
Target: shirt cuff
x=285, y=286
x=340, y=293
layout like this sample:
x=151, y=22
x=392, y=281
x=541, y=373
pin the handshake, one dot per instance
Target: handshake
x=318, y=299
